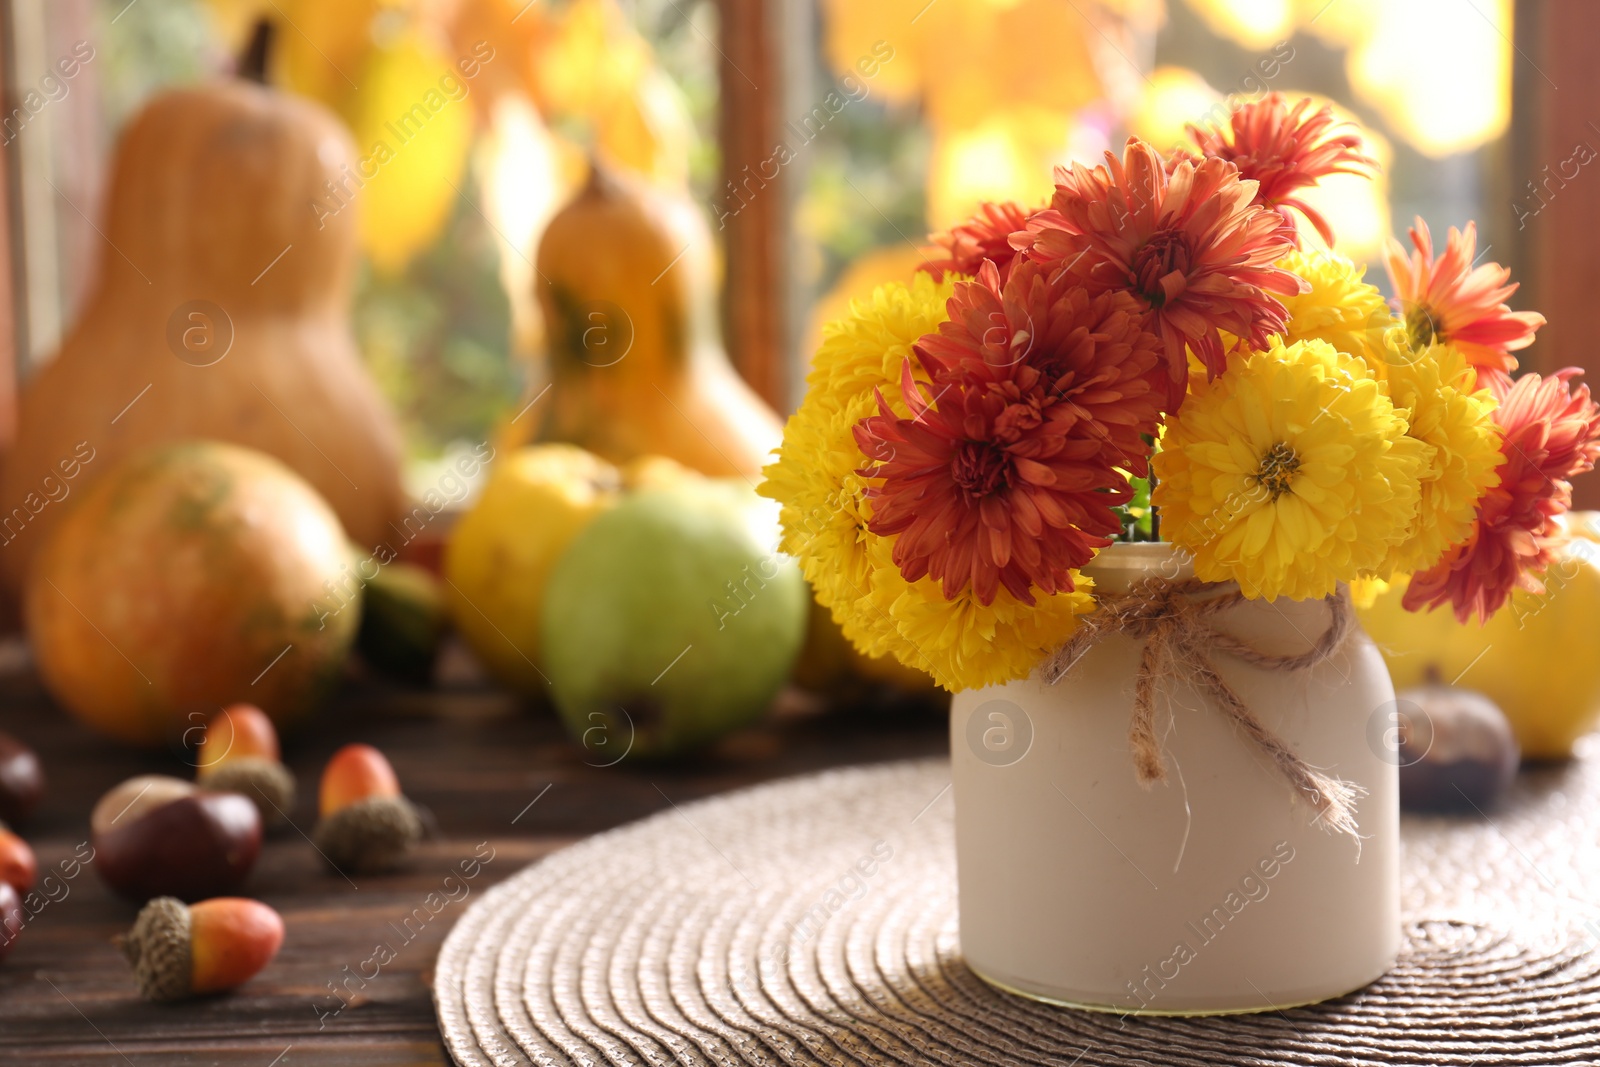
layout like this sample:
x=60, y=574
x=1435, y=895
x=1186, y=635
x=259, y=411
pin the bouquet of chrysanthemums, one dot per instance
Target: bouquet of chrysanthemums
x=1159, y=354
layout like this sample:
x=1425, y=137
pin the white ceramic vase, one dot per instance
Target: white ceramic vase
x=1212, y=892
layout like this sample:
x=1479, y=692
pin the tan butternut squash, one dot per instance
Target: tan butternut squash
x=221, y=311
x=626, y=283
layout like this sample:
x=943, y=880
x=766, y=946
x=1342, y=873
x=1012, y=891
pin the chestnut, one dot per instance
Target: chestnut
x=157, y=836
x=1457, y=752
x=21, y=780
x=11, y=918
x=17, y=863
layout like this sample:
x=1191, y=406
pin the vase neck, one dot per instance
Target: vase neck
x=1118, y=567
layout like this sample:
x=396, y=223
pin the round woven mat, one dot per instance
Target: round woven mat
x=813, y=921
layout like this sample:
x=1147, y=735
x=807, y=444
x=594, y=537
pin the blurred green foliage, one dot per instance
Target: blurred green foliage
x=864, y=185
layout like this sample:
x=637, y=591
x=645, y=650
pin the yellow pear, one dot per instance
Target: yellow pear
x=1535, y=658
x=500, y=553
x=655, y=472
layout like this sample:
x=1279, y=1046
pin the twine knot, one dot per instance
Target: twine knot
x=1174, y=620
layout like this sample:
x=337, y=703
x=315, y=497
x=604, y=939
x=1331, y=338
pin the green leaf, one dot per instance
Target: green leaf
x=1136, y=515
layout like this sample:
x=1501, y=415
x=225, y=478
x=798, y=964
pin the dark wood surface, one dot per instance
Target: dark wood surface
x=487, y=767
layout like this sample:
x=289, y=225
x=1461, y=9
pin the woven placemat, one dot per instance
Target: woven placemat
x=813, y=921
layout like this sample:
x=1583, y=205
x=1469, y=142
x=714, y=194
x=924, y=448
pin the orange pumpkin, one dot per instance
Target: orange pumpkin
x=626, y=283
x=191, y=577
x=221, y=311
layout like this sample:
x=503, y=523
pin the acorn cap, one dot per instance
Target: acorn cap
x=369, y=835
x=269, y=783
x=158, y=947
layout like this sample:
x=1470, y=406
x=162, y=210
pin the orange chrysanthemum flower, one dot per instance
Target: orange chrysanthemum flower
x=1286, y=150
x=984, y=236
x=1192, y=248
x=1551, y=432
x=1009, y=473
x=1450, y=300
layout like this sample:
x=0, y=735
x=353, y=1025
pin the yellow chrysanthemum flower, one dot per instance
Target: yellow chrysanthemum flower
x=1340, y=309
x=1289, y=474
x=962, y=643
x=1364, y=592
x=824, y=514
x=814, y=477
x=867, y=348
x=1433, y=388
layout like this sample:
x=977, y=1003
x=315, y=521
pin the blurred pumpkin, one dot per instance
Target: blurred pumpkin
x=189, y=577
x=221, y=311
x=626, y=284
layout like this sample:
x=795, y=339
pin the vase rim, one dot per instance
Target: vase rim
x=1121, y=563
x=1138, y=554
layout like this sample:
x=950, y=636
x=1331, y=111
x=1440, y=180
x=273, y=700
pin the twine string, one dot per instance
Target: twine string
x=1174, y=619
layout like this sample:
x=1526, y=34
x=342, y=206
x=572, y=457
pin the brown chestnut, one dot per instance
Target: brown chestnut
x=11, y=918
x=21, y=780
x=1457, y=752
x=156, y=836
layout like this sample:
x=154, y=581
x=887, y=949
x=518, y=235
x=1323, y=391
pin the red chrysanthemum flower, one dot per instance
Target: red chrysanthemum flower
x=1191, y=247
x=984, y=236
x=1090, y=355
x=1551, y=432
x=1009, y=473
x=1286, y=150
x=1449, y=299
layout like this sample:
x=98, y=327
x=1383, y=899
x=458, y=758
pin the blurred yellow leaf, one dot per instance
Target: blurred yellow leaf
x=970, y=49
x=853, y=30
x=1142, y=16
x=593, y=58
x=1343, y=22
x=1255, y=24
x=649, y=129
x=412, y=126
x=966, y=57
x=514, y=29
x=1438, y=107
x=1009, y=156
x=1175, y=97
x=322, y=47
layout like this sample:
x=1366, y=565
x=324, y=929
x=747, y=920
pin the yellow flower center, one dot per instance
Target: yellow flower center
x=1277, y=469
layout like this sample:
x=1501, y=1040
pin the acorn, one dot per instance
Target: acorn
x=366, y=824
x=11, y=918
x=21, y=780
x=238, y=753
x=157, y=836
x=183, y=950
x=18, y=868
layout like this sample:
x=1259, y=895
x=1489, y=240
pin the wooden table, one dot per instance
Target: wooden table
x=489, y=769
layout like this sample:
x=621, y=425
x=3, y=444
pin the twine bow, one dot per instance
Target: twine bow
x=1175, y=626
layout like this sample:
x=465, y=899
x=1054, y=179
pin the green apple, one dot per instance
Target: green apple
x=672, y=620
